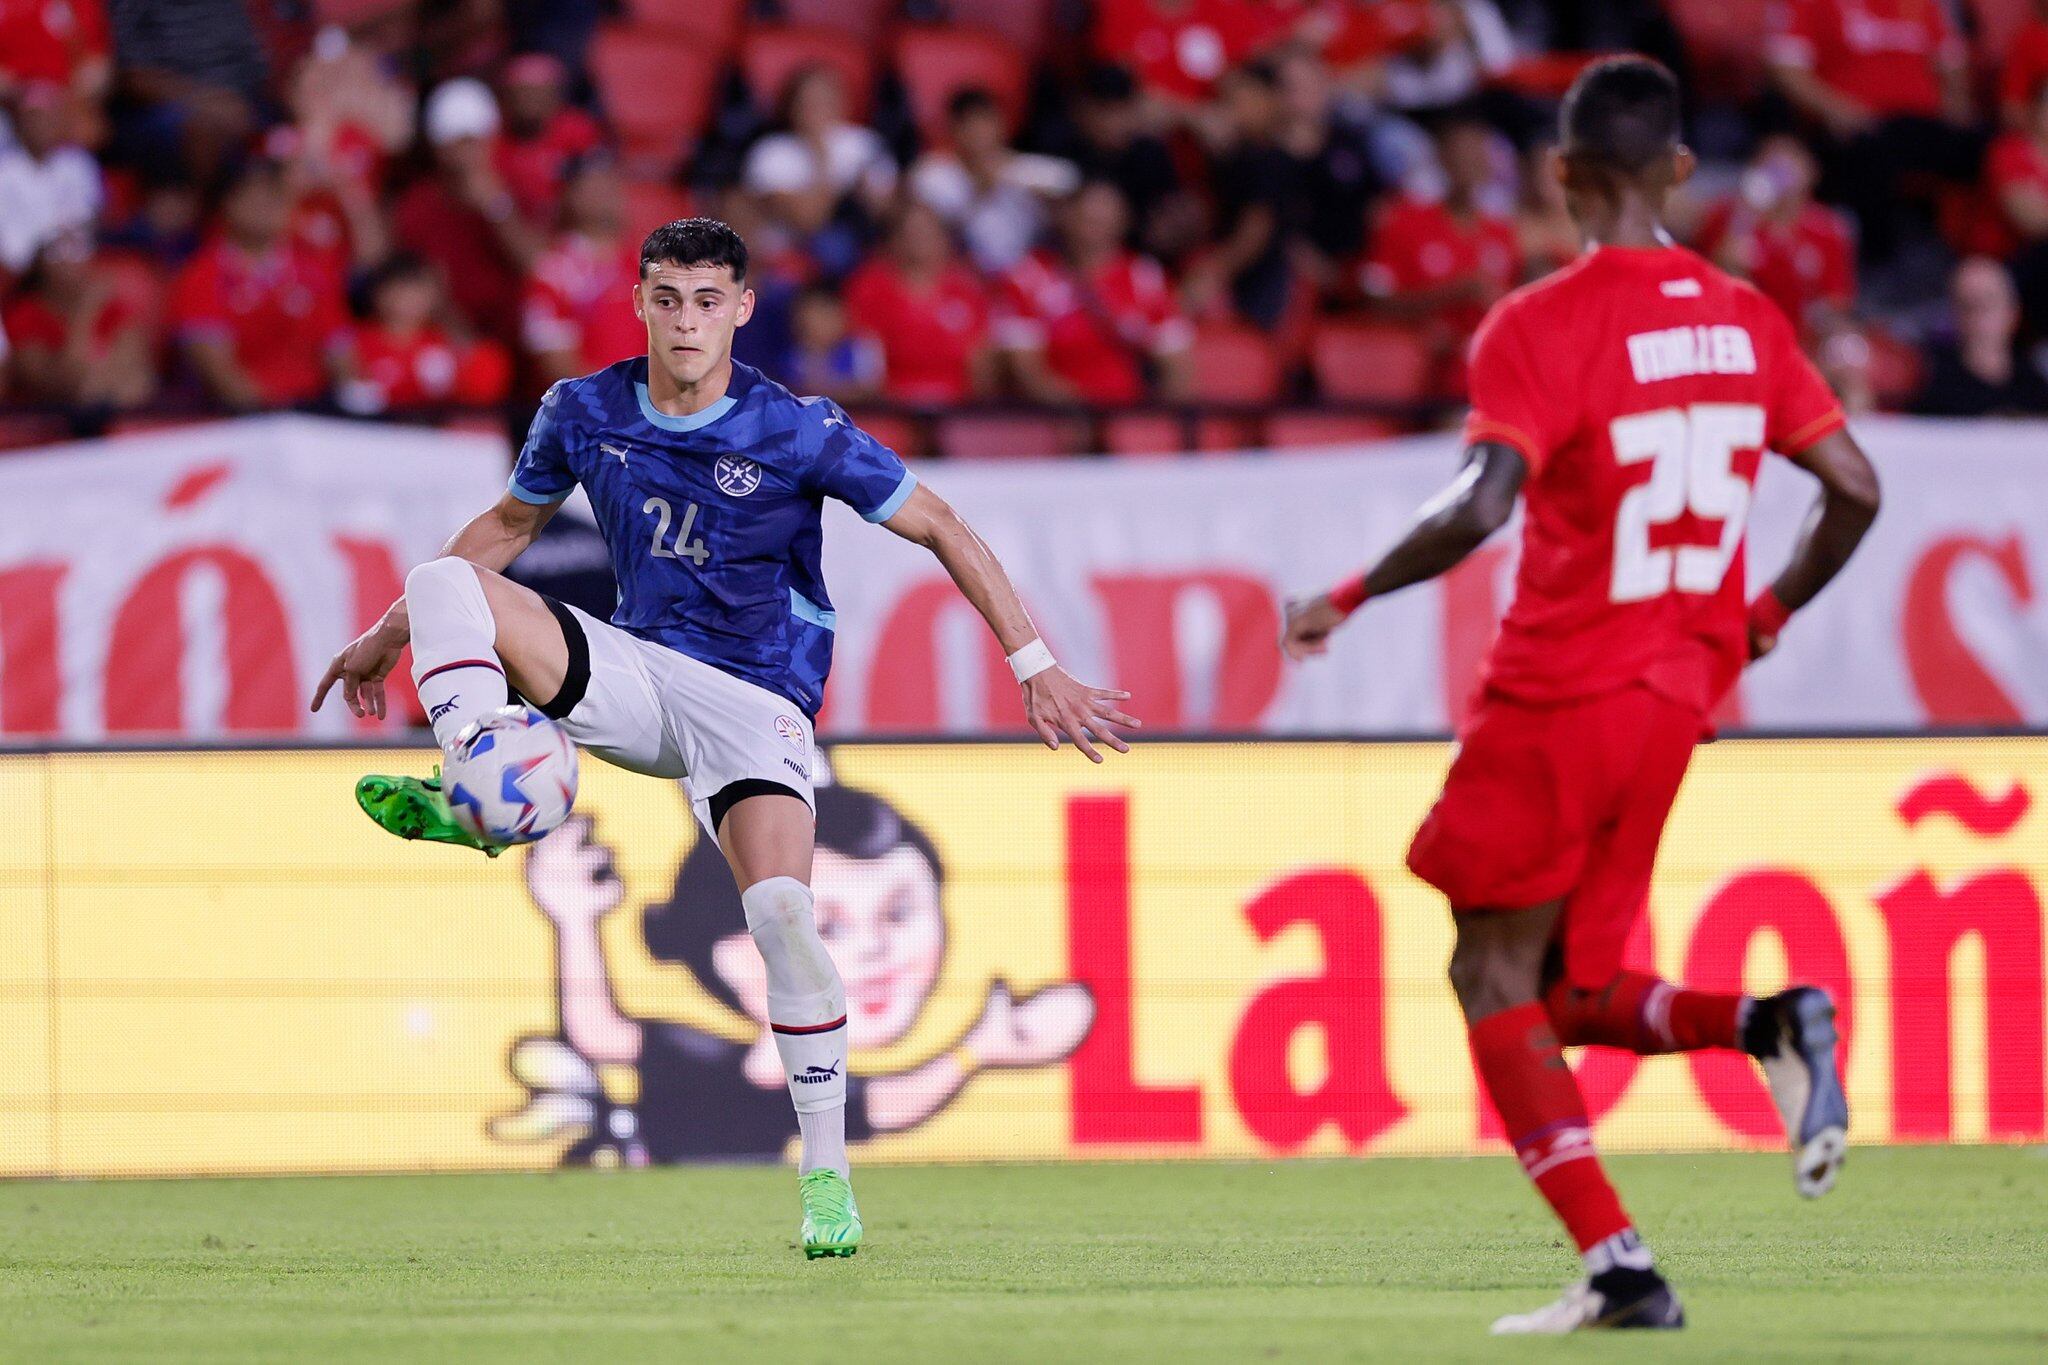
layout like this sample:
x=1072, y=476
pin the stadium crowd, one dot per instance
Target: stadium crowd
x=990, y=225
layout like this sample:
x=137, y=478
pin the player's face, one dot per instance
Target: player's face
x=882, y=920
x=690, y=312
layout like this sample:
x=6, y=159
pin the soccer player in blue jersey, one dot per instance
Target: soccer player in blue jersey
x=707, y=479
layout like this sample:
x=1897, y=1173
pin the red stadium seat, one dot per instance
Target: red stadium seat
x=1006, y=436
x=901, y=434
x=714, y=23
x=650, y=203
x=772, y=54
x=351, y=13
x=1309, y=427
x=1227, y=433
x=1144, y=433
x=657, y=90
x=1235, y=363
x=865, y=20
x=1723, y=39
x=1370, y=362
x=1024, y=24
x=936, y=63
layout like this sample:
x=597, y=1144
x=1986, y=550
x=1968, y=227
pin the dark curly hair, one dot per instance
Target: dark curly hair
x=695, y=242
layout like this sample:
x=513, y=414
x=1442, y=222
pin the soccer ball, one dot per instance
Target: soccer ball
x=510, y=776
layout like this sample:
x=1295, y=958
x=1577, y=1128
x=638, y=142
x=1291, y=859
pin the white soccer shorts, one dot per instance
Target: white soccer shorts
x=649, y=709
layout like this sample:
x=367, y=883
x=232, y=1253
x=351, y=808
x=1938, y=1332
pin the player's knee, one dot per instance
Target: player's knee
x=1489, y=976
x=785, y=929
x=440, y=577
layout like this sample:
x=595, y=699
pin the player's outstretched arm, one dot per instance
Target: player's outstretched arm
x=492, y=539
x=1848, y=505
x=1450, y=526
x=1054, y=702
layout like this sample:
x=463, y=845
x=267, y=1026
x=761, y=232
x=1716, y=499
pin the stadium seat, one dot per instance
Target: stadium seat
x=351, y=13
x=865, y=20
x=1373, y=362
x=1006, y=436
x=713, y=23
x=1723, y=39
x=901, y=434
x=1024, y=24
x=1144, y=433
x=657, y=90
x=650, y=203
x=935, y=63
x=1311, y=427
x=1235, y=363
x=773, y=53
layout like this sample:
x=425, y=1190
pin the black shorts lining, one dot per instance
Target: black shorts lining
x=576, y=681
x=733, y=793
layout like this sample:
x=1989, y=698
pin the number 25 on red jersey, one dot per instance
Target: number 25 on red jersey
x=1691, y=452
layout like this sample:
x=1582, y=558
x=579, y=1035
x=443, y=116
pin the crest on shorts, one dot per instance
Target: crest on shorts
x=737, y=475
x=792, y=732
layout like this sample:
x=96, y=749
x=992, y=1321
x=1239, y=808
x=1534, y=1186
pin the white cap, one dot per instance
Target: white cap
x=463, y=107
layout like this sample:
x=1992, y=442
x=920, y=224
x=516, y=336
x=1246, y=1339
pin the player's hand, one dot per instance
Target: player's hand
x=1761, y=642
x=1042, y=1027
x=1056, y=705
x=361, y=668
x=1309, y=623
x=570, y=875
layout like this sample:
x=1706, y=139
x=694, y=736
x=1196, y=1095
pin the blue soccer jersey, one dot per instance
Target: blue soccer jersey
x=713, y=519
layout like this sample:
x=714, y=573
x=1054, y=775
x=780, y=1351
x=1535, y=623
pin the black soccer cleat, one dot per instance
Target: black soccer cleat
x=1792, y=1035
x=1613, y=1300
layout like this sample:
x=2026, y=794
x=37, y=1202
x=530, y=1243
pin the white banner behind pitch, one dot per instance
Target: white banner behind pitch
x=194, y=582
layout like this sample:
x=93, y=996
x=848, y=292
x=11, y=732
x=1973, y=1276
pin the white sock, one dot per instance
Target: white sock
x=454, y=646
x=806, y=1011
x=1623, y=1251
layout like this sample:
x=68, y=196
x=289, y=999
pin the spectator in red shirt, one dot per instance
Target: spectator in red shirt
x=578, y=310
x=2025, y=68
x=64, y=42
x=1092, y=322
x=543, y=133
x=462, y=218
x=927, y=310
x=2016, y=186
x=1772, y=233
x=1887, y=84
x=1178, y=49
x=1442, y=263
x=256, y=315
x=79, y=340
x=400, y=357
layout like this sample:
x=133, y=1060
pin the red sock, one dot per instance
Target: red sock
x=1640, y=1013
x=1539, y=1102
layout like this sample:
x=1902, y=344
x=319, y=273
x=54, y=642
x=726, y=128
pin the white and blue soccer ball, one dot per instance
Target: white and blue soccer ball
x=510, y=776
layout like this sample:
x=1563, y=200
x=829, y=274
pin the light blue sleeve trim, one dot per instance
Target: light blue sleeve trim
x=894, y=502
x=525, y=494
x=804, y=609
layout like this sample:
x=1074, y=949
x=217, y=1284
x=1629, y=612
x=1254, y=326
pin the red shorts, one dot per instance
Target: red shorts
x=1564, y=800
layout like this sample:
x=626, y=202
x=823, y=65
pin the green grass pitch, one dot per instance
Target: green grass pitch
x=1921, y=1254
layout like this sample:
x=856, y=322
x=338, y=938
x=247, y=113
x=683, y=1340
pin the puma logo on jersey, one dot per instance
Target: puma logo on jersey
x=834, y=420
x=1680, y=352
x=610, y=449
x=1681, y=289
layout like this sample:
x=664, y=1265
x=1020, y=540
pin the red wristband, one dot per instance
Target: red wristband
x=1349, y=595
x=1768, y=615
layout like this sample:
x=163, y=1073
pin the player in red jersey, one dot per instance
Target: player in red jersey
x=1629, y=398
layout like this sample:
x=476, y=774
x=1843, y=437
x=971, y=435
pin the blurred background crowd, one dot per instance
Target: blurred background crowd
x=992, y=227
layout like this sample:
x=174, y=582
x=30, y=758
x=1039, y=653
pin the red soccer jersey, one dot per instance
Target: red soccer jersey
x=279, y=311
x=1807, y=261
x=1884, y=54
x=2015, y=161
x=2026, y=66
x=580, y=299
x=928, y=336
x=1094, y=331
x=48, y=40
x=532, y=167
x=1642, y=387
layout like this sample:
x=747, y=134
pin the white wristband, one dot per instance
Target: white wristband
x=1030, y=661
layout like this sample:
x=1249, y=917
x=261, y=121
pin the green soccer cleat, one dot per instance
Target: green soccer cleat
x=414, y=808
x=831, y=1218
